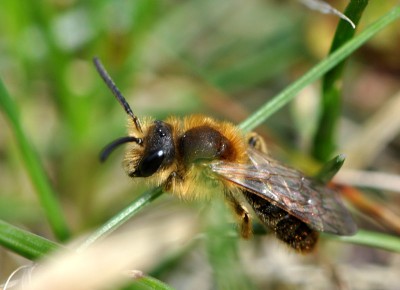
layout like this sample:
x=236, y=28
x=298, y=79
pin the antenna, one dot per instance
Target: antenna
x=111, y=147
x=116, y=92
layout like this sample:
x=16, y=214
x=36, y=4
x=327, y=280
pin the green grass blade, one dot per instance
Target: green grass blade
x=371, y=239
x=24, y=243
x=35, y=170
x=330, y=107
x=119, y=219
x=362, y=238
x=329, y=170
x=318, y=70
x=34, y=247
x=147, y=282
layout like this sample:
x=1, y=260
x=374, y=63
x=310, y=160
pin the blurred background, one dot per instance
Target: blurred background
x=172, y=57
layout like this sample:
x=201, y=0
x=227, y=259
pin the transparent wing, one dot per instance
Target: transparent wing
x=318, y=206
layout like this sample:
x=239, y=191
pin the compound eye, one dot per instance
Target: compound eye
x=150, y=164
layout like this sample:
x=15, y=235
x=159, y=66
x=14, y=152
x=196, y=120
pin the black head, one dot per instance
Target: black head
x=158, y=150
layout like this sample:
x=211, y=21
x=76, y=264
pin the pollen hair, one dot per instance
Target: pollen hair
x=190, y=142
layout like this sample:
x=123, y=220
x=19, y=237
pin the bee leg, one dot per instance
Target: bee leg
x=256, y=141
x=241, y=213
x=169, y=182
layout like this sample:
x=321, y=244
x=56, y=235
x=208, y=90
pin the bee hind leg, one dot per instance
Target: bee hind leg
x=256, y=141
x=242, y=215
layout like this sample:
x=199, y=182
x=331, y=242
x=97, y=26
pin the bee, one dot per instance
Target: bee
x=196, y=156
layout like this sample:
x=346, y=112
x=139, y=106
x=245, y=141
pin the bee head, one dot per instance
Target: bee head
x=156, y=149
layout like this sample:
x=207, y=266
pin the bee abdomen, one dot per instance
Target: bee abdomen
x=296, y=234
x=286, y=227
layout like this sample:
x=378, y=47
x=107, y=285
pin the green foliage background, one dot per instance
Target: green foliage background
x=221, y=58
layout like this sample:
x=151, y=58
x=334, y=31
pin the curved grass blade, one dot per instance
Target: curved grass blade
x=330, y=106
x=371, y=239
x=34, y=247
x=35, y=170
x=329, y=170
x=318, y=70
x=325, y=8
x=148, y=282
x=24, y=243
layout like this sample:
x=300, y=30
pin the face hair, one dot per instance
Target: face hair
x=111, y=85
x=114, y=144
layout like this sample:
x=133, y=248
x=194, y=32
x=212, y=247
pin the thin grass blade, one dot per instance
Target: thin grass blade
x=39, y=179
x=318, y=71
x=324, y=142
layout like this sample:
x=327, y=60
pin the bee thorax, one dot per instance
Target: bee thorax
x=204, y=143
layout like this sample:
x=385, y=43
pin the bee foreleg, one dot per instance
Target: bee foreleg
x=170, y=180
x=241, y=213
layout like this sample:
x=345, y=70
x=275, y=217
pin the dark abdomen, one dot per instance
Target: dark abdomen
x=286, y=227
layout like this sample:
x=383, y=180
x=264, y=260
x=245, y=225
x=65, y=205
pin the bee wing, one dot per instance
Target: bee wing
x=318, y=206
